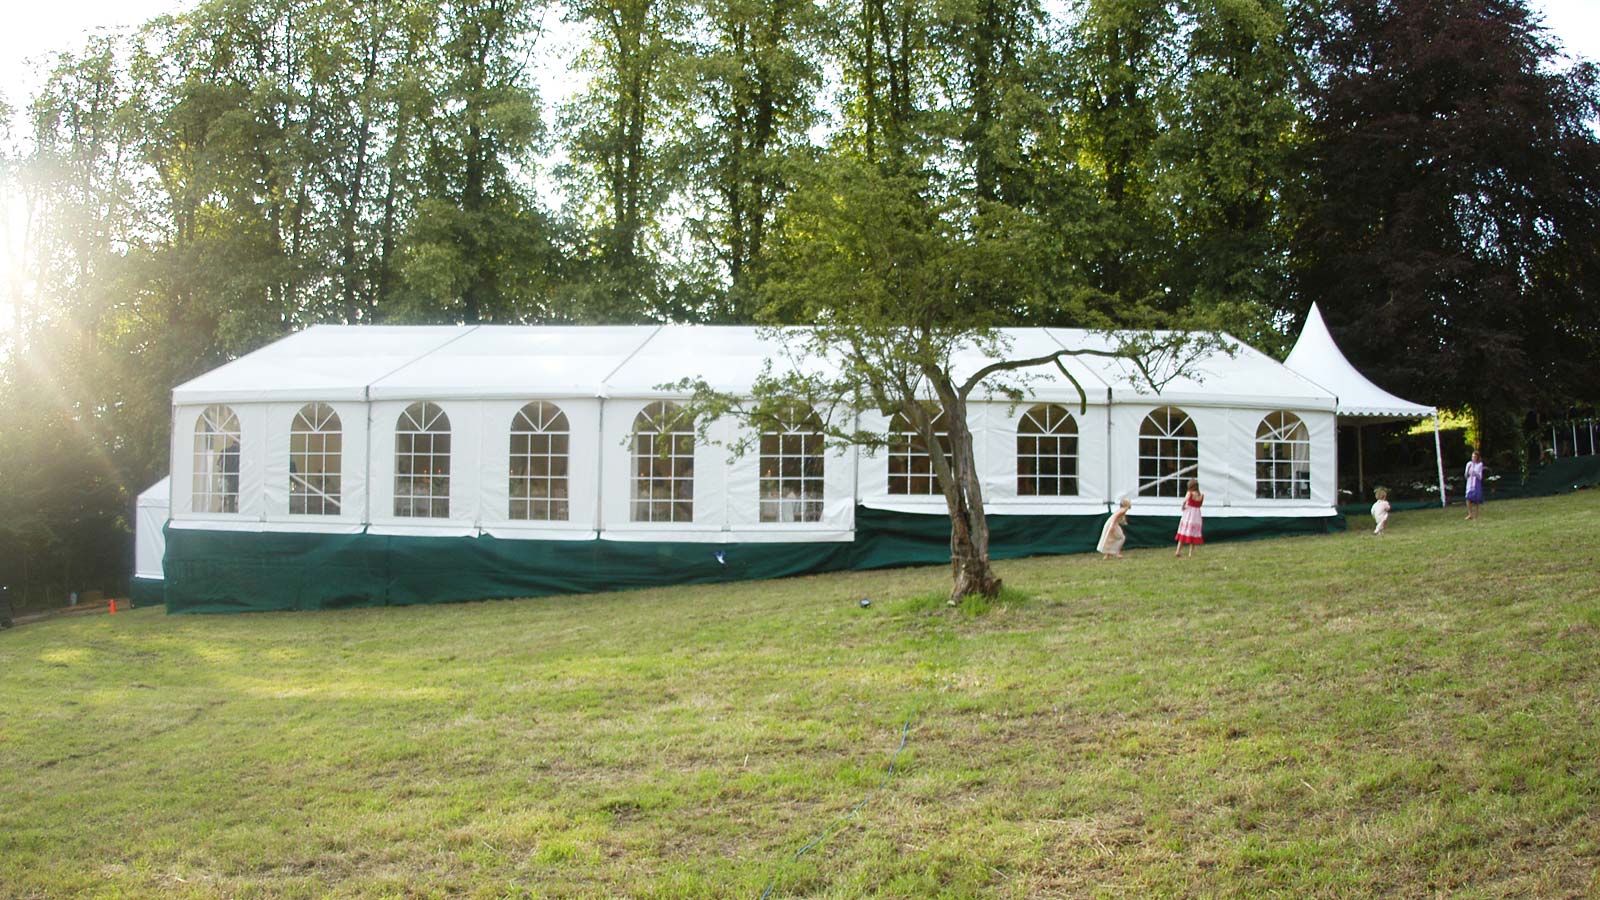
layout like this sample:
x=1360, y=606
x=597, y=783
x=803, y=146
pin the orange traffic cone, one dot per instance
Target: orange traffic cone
x=113, y=606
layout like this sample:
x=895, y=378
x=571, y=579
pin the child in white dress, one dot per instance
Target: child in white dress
x=1380, y=510
x=1112, y=536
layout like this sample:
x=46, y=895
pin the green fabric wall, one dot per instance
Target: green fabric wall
x=1560, y=476
x=234, y=571
x=147, y=591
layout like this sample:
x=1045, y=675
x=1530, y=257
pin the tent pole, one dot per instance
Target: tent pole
x=600, y=463
x=1438, y=456
x=1108, y=448
x=1574, y=437
x=1336, y=458
x=1555, y=449
x=1361, y=465
x=366, y=476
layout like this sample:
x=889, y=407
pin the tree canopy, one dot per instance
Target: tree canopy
x=1454, y=177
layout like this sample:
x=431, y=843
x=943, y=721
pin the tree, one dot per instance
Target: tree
x=757, y=71
x=479, y=245
x=624, y=164
x=1450, y=238
x=1119, y=65
x=898, y=281
x=80, y=184
x=997, y=69
x=1223, y=164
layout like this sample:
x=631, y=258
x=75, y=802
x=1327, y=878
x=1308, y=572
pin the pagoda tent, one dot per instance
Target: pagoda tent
x=1317, y=358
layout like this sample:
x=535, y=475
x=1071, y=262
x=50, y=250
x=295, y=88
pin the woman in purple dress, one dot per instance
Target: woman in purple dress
x=1474, y=475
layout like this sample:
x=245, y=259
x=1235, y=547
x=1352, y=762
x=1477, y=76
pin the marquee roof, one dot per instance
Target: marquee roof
x=367, y=362
x=1316, y=357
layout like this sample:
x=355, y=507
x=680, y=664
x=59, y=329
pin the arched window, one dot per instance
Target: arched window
x=216, y=461
x=1169, y=453
x=1283, y=458
x=539, y=434
x=1047, y=452
x=315, y=445
x=791, y=468
x=422, y=463
x=663, y=463
x=910, y=467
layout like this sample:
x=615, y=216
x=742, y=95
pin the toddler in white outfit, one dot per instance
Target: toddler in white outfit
x=1380, y=510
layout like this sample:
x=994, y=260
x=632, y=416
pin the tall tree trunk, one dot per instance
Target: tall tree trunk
x=955, y=467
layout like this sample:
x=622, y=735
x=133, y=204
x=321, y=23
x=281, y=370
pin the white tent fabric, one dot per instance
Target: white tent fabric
x=601, y=378
x=1316, y=358
x=149, y=544
x=507, y=361
x=1247, y=378
x=324, y=362
x=372, y=363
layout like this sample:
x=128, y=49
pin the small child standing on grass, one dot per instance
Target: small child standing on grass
x=1189, y=524
x=1380, y=510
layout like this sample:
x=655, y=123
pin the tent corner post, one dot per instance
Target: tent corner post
x=1438, y=457
x=1361, y=463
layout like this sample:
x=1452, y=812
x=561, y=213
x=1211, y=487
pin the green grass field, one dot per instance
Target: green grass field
x=1344, y=716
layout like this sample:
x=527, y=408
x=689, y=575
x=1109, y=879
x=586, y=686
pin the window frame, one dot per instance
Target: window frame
x=435, y=500
x=1272, y=438
x=306, y=486
x=1169, y=442
x=915, y=465
x=546, y=435
x=654, y=473
x=1051, y=432
x=791, y=485
x=214, y=487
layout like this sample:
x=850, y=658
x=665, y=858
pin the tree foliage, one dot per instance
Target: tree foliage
x=1456, y=176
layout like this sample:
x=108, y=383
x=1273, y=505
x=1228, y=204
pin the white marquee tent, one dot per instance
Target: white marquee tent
x=241, y=463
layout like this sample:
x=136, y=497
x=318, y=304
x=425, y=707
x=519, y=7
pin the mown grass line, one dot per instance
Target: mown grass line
x=1340, y=716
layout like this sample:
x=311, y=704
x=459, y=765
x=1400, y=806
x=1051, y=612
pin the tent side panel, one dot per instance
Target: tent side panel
x=240, y=571
x=885, y=538
x=149, y=541
x=218, y=571
x=147, y=591
x=235, y=571
x=1161, y=531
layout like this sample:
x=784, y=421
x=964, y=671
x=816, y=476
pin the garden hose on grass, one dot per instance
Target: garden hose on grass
x=905, y=731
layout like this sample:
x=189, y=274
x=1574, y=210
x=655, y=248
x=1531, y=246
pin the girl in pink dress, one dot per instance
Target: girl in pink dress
x=1189, y=524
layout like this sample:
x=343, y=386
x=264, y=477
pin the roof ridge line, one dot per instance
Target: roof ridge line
x=366, y=389
x=1050, y=332
x=605, y=385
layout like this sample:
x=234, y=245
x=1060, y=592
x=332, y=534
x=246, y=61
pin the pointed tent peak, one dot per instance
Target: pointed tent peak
x=1317, y=358
x=1313, y=334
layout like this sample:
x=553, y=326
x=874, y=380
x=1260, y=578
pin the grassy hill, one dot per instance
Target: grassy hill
x=1343, y=716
